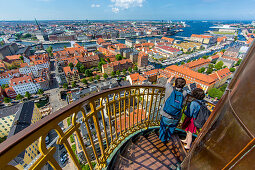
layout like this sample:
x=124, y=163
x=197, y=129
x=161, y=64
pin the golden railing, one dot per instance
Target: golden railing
x=116, y=114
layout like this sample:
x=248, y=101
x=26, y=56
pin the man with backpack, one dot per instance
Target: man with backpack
x=171, y=111
x=197, y=114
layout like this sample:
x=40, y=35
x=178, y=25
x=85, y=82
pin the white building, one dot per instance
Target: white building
x=27, y=83
x=34, y=69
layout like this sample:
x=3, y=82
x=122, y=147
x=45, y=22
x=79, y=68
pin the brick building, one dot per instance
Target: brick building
x=142, y=59
x=72, y=75
x=117, y=65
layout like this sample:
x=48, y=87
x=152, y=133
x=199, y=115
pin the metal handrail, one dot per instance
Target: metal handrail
x=137, y=108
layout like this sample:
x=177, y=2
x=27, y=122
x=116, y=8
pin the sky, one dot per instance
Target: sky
x=127, y=9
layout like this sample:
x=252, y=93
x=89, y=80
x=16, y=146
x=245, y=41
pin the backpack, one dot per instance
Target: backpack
x=173, y=104
x=202, y=115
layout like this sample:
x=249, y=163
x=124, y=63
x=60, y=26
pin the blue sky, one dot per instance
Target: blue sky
x=127, y=9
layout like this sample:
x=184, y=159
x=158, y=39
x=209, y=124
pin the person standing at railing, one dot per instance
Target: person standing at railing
x=171, y=112
x=196, y=115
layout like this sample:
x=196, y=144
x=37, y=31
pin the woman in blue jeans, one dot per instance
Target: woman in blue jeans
x=168, y=123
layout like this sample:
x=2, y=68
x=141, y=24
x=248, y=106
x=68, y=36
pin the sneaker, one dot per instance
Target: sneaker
x=183, y=141
x=186, y=147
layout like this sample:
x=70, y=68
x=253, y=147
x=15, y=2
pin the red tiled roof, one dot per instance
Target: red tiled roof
x=68, y=70
x=10, y=92
x=249, y=41
x=230, y=58
x=13, y=57
x=197, y=63
x=21, y=80
x=23, y=65
x=201, y=36
x=168, y=39
x=151, y=72
x=220, y=74
x=137, y=77
x=219, y=39
x=215, y=56
x=132, y=119
x=100, y=40
x=167, y=48
x=183, y=71
x=88, y=58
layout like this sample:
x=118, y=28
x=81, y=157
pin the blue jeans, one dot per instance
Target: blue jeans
x=167, y=127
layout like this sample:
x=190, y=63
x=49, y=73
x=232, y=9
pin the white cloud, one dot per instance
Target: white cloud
x=95, y=5
x=115, y=10
x=125, y=4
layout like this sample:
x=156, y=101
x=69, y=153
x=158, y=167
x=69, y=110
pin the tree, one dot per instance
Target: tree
x=71, y=65
x=238, y=62
x=130, y=69
x=124, y=71
x=235, y=39
x=223, y=87
x=88, y=73
x=105, y=76
x=26, y=36
x=65, y=85
x=97, y=77
x=7, y=100
x=112, y=73
x=188, y=61
x=27, y=95
x=19, y=96
x=64, y=46
x=102, y=62
x=205, y=57
x=211, y=66
x=214, y=62
x=201, y=70
x=108, y=60
x=50, y=50
x=84, y=81
x=118, y=72
x=219, y=65
x=91, y=79
x=136, y=68
x=73, y=84
x=215, y=93
x=4, y=86
x=232, y=69
x=22, y=58
x=40, y=91
x=223, y=50
x=81, y=69
x=118, y=57
x=209, y=71
x=182, y=63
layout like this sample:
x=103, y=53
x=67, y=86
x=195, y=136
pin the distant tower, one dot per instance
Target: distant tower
x=40, y=34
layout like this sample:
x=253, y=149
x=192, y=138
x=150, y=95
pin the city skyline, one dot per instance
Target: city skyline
x=127, y=10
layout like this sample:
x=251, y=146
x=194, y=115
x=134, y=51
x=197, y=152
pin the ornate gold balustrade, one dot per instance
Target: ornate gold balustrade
x=109, y=118
x=115, y=114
